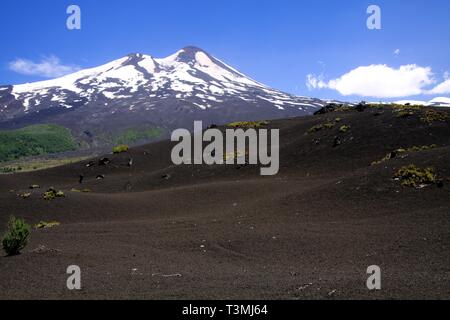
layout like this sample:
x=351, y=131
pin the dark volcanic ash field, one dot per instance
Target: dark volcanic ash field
x=219, y=232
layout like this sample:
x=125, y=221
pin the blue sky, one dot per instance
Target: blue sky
x=278, y=43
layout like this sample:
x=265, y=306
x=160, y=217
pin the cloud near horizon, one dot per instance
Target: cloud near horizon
x=442, y=88
x=382, y=81
x=48, y=67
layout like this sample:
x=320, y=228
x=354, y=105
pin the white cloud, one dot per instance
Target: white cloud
x=315, y=82
x=378, y=81
x=442, y=88
x=48, y=67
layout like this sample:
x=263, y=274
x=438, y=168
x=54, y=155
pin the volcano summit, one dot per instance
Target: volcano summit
x=139, y=92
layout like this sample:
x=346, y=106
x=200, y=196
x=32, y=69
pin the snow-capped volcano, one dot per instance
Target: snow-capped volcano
x=139, y=90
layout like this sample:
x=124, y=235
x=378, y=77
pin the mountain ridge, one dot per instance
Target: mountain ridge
x=141, y=90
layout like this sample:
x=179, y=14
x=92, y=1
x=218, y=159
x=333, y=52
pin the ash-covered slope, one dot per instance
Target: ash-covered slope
x=139, y=91
x=158, y=231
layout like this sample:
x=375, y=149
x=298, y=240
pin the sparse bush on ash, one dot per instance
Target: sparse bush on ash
x=344, y=128
x=16, y=237
x=401, y=151
x=248, y=124
x=318, y=127
x=52, y=194
x=330, y=125
x=412, y=176
x=431, y=116
x=121, y=148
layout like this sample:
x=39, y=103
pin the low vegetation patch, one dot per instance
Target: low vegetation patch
x=34, y=141
x=329, y=125
x=405, y=114
x=121, y=148
x=133, y=135
x=430, y=116
x=344, y=128
x=401, y=151
x=52, y=194
x=25, y=195
x=427, y=114
x=344, y=108
x=319, y=127
x=334, y=107
x=46, y=225
x=27, y=165
x=248, y=124
x=405, y=111
x=9, y=169
x=85, y=190
x=420, y=148
x=402, y=107
x=412, y=176
x=16, y=237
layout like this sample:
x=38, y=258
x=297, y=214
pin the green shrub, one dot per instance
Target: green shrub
x=16, y=238
x=121, y=148
x=344, y=128
x=52, y=194
x=412, y=176
x=60, y=194
x=49, y=196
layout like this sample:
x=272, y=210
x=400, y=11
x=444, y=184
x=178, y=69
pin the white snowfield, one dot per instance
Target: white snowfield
x=201, y=76
x=438, y=102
